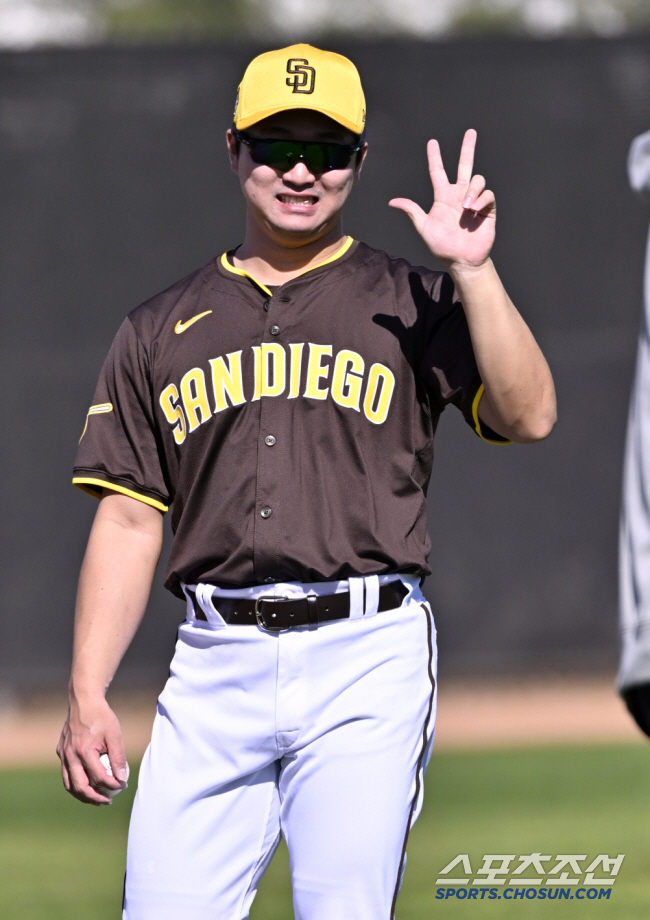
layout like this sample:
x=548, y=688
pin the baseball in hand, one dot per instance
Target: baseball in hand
x=105, y=762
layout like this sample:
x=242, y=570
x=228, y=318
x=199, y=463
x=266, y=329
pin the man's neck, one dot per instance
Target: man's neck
x=273, y=263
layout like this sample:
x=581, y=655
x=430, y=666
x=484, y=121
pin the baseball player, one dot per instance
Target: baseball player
x=634, y=542
x=281, y=402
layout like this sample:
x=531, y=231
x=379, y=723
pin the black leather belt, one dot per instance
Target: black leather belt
x=276, y=613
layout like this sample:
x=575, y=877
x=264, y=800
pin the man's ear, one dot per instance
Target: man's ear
x=361, y=156
x=233, y=149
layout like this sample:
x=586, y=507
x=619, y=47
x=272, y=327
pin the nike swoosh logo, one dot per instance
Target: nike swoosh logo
x=181, y=326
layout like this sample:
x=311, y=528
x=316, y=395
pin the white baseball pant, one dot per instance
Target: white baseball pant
x=319, y=734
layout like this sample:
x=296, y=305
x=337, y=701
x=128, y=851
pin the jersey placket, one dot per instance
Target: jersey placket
x=271, y=453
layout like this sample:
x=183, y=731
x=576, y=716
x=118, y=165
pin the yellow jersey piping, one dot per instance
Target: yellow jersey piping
x=337, y=255
x=240, y=271
x=97, y=409
x=82, y=482
x=477, y=421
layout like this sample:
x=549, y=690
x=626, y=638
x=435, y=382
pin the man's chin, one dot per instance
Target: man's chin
x=293, y=233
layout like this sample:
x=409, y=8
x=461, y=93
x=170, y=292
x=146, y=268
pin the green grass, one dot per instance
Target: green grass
x=60, y=860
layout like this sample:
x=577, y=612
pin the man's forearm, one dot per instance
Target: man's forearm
x=519, y=400
x=114, y=586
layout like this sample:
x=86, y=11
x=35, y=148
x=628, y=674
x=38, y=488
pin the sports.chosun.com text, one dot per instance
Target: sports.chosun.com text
x=514, y=894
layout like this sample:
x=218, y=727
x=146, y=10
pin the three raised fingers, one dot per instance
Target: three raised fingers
x=475, y=184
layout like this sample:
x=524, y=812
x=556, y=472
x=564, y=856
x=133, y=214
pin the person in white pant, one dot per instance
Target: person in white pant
x=282, y=401
x=634, y=542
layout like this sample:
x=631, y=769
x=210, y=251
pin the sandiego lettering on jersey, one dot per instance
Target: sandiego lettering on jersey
x=277, y=373
x=290, y=430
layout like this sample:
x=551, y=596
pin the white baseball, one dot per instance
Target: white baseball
x=105, y=790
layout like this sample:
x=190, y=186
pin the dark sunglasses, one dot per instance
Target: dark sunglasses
x=283, y=155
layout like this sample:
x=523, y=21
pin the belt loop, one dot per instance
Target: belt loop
x=372, y=595
x=189, y=613
x=355, y=585
x=204, y=600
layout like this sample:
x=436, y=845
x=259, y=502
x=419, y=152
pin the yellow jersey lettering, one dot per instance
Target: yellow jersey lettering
x=273, y=383
x=173, y=413
x=382, y=380
x=347, y=379
x=277, y=371
x=195, y=398
x=257, y=355
x=296, y=368
x=227, y=380
x=316, y=370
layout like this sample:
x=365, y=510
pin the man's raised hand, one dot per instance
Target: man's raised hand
x=460, y=227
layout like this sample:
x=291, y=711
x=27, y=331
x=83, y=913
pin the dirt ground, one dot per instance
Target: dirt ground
x=469, y=715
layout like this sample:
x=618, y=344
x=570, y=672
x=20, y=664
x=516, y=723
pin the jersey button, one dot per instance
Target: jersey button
x=274, y=330
x=266, y=306
x=269, y=440
x=266, y=512
x=269, y=580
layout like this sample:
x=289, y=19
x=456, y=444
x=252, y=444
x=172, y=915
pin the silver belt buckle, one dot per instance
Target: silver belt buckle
x=260, y=619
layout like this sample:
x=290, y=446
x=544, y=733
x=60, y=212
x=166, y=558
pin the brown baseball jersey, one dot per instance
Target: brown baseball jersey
x=290, y=429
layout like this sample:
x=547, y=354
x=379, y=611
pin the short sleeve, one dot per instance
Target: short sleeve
x=448, y=366
x=120, y=448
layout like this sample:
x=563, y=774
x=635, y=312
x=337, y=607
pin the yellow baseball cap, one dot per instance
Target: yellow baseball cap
x=301, y=77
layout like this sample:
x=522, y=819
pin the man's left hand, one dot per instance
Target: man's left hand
x=460, y=227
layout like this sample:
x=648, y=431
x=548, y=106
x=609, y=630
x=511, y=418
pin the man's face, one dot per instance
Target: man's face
x=297, y=206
